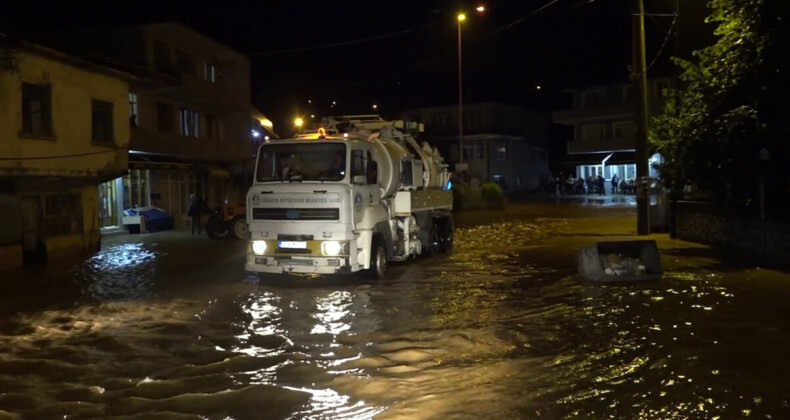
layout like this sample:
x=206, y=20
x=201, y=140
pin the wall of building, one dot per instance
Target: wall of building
x=704, y=223
x=223, y=94
x=74, y=163
x=72, y=90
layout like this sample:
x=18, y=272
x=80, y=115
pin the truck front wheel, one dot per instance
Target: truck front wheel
x=240, y=228
x=378, y=260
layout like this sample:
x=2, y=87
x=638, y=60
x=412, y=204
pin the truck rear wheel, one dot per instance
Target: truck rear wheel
x=434, y=240
x=240, y=228
x=447, y=234
x=378, y=261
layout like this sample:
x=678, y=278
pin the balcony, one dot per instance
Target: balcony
x=191, y=148
x=600, y=146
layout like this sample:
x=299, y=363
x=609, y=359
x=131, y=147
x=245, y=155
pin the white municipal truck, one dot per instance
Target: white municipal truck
x=355, y=195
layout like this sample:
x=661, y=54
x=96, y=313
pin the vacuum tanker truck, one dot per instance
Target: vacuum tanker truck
x=354, y=195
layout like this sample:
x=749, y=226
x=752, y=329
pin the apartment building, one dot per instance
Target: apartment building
x=603, y=122
x=500, y=143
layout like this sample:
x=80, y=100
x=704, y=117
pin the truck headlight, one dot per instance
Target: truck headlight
x=331, y=247
x=259, y=247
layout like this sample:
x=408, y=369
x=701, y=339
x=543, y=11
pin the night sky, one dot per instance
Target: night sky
x=396, y=54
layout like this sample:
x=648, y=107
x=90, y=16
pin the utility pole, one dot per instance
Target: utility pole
x=461, y=18
x=643, y=115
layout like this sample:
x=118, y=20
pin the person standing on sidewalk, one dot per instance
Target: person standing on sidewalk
x=615, y=183
x=194, y=213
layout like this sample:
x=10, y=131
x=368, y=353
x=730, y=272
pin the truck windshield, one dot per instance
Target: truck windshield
x=302, y=162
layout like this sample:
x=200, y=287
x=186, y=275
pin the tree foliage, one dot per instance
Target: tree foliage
x=714, y=125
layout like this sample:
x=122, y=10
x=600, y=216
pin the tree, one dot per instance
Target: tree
x=715, y=124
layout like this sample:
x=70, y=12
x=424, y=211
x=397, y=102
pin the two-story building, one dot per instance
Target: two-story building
x=501, y=143
x=190, y=113
x=63, y=131
x=603, y=121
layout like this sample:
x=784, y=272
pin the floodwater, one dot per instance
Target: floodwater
x=167, y=326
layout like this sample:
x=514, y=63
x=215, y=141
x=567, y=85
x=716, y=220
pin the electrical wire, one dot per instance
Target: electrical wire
x=343, y=43
x=65, y=156
x=660, y=49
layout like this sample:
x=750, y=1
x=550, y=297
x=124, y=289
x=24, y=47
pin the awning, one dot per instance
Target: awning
x=618, y=158
x=149, y=161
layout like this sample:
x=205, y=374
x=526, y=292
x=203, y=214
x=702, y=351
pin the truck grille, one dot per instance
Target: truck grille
x=295, y=214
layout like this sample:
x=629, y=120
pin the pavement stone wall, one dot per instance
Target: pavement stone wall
x=703, y=223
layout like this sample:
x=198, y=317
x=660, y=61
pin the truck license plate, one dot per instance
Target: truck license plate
x=293, y=244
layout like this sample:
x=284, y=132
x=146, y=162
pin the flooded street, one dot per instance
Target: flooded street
x=169, y=326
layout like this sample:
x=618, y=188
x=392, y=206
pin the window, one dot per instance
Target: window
x=209, y=72
x=189, y=123
x=209, y=126
x=501, y=152
x=473, y=150
x=593, y=98
x=164, y=117
x=358, y=163
x=472, y=119
x=62, y=214
x=36, y=110
x=624, y=130
x=186, y=64
x=133, y=109
x=162, y=57
x=101, y=118
x=592, y=132
x=220, y=130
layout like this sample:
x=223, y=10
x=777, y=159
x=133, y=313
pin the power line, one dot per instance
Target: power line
x=660, y=49
x=343, y=43
x=65, y=156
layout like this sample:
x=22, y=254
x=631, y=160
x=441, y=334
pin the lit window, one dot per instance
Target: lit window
x=501, y=152
x=189, y=123
x=209, y=72
x=133, y=110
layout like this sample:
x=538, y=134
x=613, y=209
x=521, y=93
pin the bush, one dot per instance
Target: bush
x=467, y=198
x=493, y=196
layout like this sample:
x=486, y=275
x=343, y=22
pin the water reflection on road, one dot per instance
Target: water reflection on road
x=491, y=331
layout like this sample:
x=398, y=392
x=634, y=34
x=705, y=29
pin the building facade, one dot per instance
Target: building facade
x=603, y=122
x=63, y=132
x=501, y=143
x=193, y=126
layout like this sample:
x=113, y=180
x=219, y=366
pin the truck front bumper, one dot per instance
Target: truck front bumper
x=297, y=264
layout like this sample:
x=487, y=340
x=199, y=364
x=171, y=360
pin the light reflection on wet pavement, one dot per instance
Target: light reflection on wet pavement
x=173, y=328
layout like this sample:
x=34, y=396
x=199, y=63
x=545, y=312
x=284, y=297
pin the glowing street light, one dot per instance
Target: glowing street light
x=298, y=122
x=461, y=18
x=375, y=106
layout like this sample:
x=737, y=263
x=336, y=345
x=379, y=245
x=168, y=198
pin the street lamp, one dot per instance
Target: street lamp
x=461, y=18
